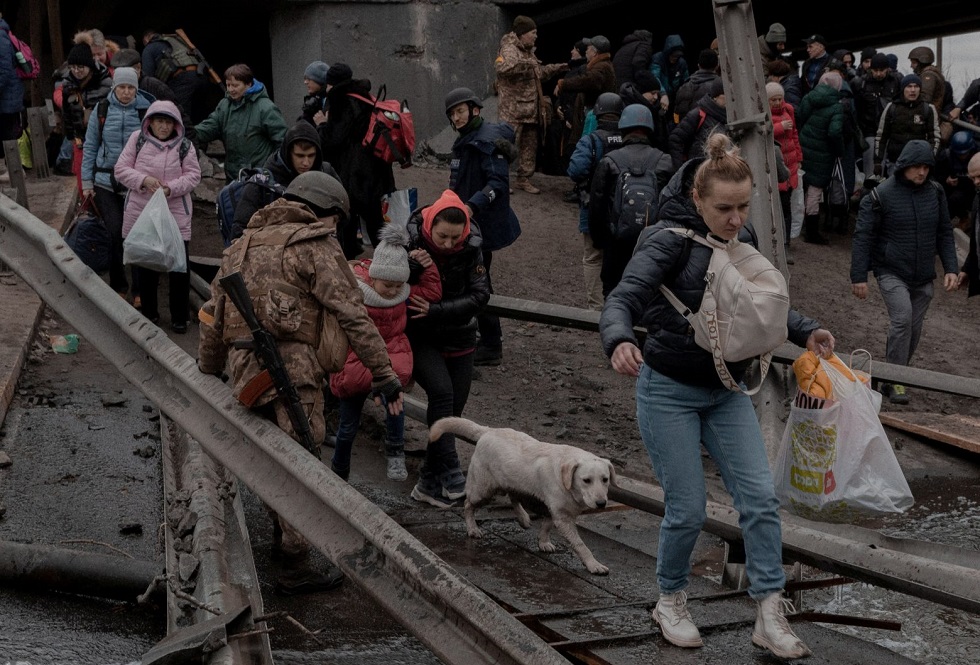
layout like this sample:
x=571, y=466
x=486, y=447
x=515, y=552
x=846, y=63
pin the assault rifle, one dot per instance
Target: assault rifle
x=265, y=347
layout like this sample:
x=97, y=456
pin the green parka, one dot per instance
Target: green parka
x=251, y=129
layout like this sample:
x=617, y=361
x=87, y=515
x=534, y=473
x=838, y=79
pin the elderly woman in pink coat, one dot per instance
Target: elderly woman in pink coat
x=158, y=157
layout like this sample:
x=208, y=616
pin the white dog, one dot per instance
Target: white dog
x=566, y=479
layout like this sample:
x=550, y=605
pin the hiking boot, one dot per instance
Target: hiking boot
x=299, y=577
x=342, y=472
x=488, y=356
x=525, y=184
x=772, y=630
x=676, y=624
x=453, y=484
x=428, y=489
x=571, y=196
x=897, y=394
x=396, y=468
x=811, y=231
x=789, y=255
x=179, y=328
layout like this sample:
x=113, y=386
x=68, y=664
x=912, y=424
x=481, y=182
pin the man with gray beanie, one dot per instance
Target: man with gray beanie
x=315, y=100
x=772, y=45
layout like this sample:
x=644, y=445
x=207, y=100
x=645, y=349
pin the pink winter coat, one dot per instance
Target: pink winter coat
x=789, y=143
x=160, y=159
x=390, y=317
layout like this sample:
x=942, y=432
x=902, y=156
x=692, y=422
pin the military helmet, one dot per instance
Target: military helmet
x=922, y=55
x=962, y=143
x=608, y=102
x=461, y=95
x=636, y=115
x=322, y=192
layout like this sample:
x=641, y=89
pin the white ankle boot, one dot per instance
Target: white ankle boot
x=772, y=630
x=676, y=624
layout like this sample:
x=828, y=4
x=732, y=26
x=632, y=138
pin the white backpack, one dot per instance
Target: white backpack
x=744, y=309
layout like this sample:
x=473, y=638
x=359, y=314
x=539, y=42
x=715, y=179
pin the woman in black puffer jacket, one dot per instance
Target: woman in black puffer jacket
x=444, y=339
x=681, y=403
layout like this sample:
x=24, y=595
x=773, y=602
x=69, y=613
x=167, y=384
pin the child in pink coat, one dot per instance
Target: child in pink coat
x=384, y=282
x=787, y=137
x=157, y=157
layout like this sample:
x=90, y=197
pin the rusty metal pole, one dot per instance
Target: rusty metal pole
x=42, y=567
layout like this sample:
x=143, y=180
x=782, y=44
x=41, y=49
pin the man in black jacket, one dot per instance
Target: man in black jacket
x=901, y=227
x=300, y=152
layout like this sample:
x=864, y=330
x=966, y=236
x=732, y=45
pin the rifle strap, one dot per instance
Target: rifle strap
x=254, y=389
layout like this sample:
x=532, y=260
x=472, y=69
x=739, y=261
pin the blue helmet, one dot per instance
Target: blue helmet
x=635, y=116
x=962, y=143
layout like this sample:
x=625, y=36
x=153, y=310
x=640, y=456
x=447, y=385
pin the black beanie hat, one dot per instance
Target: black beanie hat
x=81, y=54
x=646, y=81
x=339, y=73
x=879, y=61
x=523, y=24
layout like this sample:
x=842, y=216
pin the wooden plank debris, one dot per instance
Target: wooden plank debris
x=953, y=429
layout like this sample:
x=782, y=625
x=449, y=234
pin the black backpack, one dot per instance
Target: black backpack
x=231, y=194
x=635, y=201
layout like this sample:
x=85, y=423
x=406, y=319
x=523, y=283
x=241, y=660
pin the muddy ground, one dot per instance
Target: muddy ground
x=557, y=385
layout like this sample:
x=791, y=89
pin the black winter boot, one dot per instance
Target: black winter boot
x=839, y=215
x=811, y=231
x=298, y=576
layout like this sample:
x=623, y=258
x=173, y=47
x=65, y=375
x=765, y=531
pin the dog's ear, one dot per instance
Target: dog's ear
x=567, y=474
x=612, y=473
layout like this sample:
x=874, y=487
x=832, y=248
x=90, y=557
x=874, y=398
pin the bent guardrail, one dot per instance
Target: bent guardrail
x=439, y=606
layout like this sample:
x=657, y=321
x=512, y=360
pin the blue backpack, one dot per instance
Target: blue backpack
x=231, y=194
x=88, y=237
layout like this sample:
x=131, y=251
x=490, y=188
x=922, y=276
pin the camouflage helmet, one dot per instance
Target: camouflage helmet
x=459, y=96
x=922, y=55
x=608, y=102
x=636, y=116
x=323, y=193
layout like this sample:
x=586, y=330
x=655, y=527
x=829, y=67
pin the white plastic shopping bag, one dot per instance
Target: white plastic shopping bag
x=399, y=205
x=836, y=463
x=154, y=242
x=796, y=206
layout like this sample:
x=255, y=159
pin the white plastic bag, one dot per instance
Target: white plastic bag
x=835, y=462
x=796, y=206
x=154, y=242
x=399, y=205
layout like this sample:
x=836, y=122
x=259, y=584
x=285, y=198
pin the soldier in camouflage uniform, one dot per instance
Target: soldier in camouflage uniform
x=305, y=294
x=522, y=103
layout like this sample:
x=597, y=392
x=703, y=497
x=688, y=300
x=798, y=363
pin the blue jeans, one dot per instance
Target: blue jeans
x=350, y=419
x=674, y=419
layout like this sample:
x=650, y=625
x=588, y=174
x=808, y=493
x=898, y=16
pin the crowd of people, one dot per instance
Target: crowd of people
x=645, y=143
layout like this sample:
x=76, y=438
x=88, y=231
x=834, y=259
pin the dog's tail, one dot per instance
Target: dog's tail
x=467, y=429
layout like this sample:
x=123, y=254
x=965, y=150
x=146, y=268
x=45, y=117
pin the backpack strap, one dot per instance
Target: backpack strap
x=185, y=146
x=721, y=368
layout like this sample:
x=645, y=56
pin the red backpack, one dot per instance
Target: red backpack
x=29, y=68
x=391, y=130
